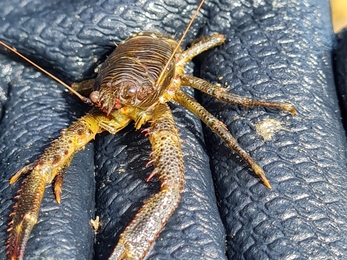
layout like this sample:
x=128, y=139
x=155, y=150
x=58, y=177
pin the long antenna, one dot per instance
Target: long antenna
x=180, y=41
x=84, y=99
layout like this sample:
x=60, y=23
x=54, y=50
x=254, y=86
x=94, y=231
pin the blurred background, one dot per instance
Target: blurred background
x=339, y=14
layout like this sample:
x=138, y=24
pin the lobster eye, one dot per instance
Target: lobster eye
x=129, y=91
x=94, y=97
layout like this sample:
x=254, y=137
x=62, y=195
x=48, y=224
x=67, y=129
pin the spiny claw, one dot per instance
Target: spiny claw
x=51, y=165
x=25, y=212
x=19, y=237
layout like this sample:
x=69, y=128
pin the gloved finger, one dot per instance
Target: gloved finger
x=200, y=233
x=340, y=66
x=195, y=229
x=279, y=51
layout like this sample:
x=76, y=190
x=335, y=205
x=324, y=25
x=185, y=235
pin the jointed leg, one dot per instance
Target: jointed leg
x=223, y=95
x=51, y=164
x=167, y=157
x=204, y=44
x=221, y=130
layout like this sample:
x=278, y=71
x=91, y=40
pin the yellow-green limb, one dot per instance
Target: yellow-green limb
x=222, y=94
x=221, y=130
x=140, y=234
x=51, y=164
x=200, y=46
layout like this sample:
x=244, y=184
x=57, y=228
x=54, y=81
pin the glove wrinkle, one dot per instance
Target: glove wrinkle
x=275, y=50
x=281, y=53
x=69, y=40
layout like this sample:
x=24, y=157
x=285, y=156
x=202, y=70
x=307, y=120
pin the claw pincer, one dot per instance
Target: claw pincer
x=26, y=214
x=137, y=238
x=53, y=162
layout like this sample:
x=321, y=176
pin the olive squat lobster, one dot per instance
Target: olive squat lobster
x=133, y=84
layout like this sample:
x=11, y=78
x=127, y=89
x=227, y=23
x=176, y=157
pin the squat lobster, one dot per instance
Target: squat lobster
x=134, y=84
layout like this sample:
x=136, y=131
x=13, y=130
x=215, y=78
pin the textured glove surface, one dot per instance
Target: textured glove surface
x=274, y=50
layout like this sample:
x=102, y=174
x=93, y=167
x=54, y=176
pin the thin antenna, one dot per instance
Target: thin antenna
x=180, y=41
x=84, y=99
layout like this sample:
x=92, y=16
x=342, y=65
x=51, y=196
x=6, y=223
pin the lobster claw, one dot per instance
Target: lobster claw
x=26, y=211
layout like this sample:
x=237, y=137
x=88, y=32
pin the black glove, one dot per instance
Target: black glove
x=275, y=51
x=341, y=67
